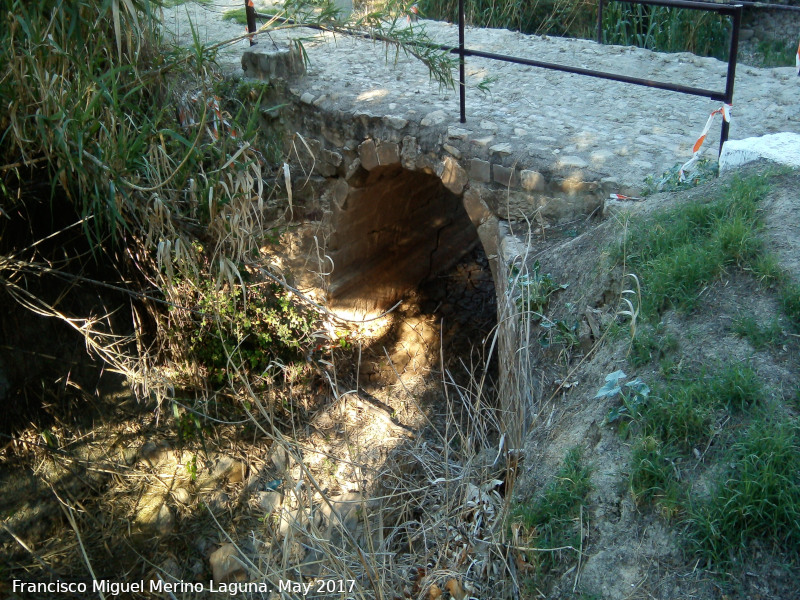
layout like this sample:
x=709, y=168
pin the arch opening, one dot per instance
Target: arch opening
x=394, y=229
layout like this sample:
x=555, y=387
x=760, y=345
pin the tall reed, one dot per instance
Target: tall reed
x=654, y=27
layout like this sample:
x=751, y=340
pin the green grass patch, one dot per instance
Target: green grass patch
x=654, y=474
x=677, y=252
x=790, y=300
x=756, y=498
x=672, y=423
x=650, y=344
x=767, y=269
x=174, y=3
x=680, y=413
x=670, y=180
x=759, y=336
x=237, y=15
x=553, y=518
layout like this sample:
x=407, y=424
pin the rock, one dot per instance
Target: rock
x=437, y=117
x=280, y=458
x=453, y=176
x=296, y=519
x=476, y=208
x=264, y=62
x=504, y=175
x=153, y=453
x=480, y=170
x=368, y=153
x=388, y=153
x=575, y=162
x=782, y=148
x=395, y=122
x=230, y=468
x=483, y=142
x=409, y=152
x=268, y=501
x=226, y=566
x=452, y=150
x=153, y=515
x=531, y=181
x=182, y=495
x=503, y=149
x=457, y=133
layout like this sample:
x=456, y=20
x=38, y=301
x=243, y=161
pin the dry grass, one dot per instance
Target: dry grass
x=397, y=505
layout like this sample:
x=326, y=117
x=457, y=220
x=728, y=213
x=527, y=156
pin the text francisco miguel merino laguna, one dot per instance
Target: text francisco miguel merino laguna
x=115, y=588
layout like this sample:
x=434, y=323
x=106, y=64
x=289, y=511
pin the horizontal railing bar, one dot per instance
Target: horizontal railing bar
x=670, y=87
x=727, y=9
x=769, y=6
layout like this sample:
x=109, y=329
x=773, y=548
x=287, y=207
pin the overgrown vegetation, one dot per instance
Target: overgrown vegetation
x=666, y=29
x=654, y=27
x=267, y=332
x=777, y=53
x=173, y=186
x=720, y=413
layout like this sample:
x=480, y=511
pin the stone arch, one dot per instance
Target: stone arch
x=389, y=211
x=391, y=229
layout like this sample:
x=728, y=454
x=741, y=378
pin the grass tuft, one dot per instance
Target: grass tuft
x=654, y=476
x=552, y=517
x=677, y=252
x=757, y=498
x=790, y=299
x=759, y=336
x=649, y=344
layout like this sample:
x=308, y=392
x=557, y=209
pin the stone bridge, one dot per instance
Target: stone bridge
x=393, y=188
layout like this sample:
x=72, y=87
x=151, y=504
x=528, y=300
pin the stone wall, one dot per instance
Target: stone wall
x=399, y=201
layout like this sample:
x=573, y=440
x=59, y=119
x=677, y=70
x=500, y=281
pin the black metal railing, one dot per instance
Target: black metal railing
x=726, y=96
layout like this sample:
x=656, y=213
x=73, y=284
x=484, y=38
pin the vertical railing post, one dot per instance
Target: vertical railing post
x=731, y=77
x=599, y=21
x=250, y=14
x=462, y=79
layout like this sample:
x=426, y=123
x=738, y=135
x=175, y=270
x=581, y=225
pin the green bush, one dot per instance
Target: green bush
x=555, y=17
x=227, y=333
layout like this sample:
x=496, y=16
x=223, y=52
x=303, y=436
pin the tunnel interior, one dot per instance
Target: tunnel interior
x=394, y=229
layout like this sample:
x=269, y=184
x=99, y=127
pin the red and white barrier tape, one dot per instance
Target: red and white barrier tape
x=623, y=197
x=725, y=111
